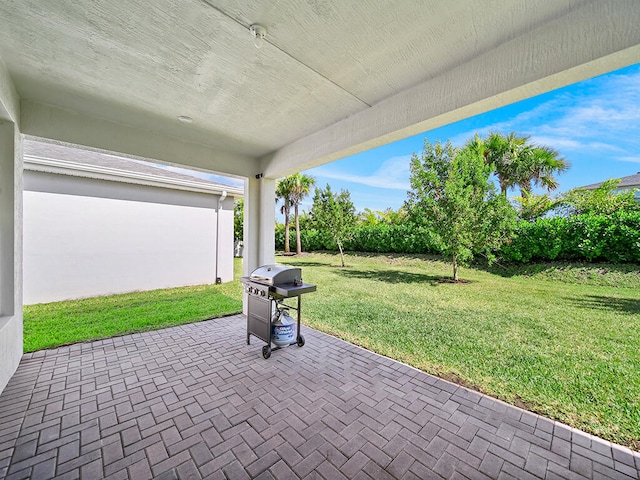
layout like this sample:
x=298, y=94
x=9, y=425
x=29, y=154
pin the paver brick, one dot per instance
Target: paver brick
x=94, y=470
x=329, y=471
x=491, y=465
x=123, y=463
x=308, y=464
x=626, y=469
x=623, y=455
x=354, y=464
x=112, y=452
x=262, y=464
x=281, y=471
x=166, y=404
x=375, y=454
x=140, y=470
x=581, y=465
x=25, y=451
x=189, y=470
x=400, y=464
x=79, y=461
x=374, y=470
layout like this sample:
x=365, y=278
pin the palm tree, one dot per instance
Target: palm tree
x=504, y=152
x=519, y=163
x=301, y=187
x=284, y=191
x=369, y=217
x=538, y=167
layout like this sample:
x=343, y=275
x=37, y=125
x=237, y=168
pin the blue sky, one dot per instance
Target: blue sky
x=594, y=124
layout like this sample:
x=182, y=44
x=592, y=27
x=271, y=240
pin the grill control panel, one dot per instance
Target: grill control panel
x=257, y=290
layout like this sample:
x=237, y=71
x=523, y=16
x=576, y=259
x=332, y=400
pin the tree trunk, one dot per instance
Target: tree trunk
x=455, y=269
x=298, y=244
x=287, y=249
x=341, y=253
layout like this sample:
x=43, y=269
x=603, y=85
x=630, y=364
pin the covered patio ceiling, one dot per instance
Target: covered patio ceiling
x=332, y=78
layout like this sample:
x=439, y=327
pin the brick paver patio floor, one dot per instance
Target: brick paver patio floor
x=196, y=401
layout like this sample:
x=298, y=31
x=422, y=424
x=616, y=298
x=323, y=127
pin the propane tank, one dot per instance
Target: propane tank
x=283, y=329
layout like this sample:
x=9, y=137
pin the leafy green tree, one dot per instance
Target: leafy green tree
x=285, y=191
x=334, y=213
x=301, y=187
x=519, y=163
x=238, y=220
x=602, y=200
x=452, y=195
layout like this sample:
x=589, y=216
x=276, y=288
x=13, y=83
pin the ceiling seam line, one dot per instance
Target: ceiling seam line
x=219, y=10
x=320, y=74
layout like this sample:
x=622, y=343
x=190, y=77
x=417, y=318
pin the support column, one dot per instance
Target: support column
x=259, y=224
x=11, y=343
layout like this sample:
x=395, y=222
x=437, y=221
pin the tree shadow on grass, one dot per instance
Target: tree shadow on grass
x=294, y=263
x=530, y=269
x=600, y=302
x=392, y=276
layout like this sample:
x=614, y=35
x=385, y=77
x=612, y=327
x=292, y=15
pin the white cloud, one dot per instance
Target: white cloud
x=560, y=143
x=393, y=174
x=629, y=159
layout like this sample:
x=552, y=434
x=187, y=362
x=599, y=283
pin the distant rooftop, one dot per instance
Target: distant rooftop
x=625, y=182
x=91, y=161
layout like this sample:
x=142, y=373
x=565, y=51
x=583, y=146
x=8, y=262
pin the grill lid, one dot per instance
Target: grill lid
x=276, y=274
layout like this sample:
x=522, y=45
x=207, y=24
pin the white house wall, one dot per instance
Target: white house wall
x=85, y=237
x=10, y=244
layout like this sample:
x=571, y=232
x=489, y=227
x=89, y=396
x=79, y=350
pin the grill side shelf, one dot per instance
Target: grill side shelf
x=288, y=290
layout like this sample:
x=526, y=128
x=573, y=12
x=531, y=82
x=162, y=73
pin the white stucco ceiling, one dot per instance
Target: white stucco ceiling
x=139, y=64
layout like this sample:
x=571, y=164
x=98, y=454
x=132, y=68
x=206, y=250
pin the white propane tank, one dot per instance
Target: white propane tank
x=283, y=330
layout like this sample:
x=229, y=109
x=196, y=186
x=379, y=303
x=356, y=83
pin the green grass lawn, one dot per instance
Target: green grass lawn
x=60, y=323
x=566, y=350
x=560, y=340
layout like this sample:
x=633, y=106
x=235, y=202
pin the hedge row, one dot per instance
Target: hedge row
x=614, y=238
x=406, y=238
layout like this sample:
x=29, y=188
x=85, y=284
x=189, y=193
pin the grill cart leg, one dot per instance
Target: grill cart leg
x=300, y=337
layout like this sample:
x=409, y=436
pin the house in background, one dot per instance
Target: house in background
x=99, y=224
x=631, y=182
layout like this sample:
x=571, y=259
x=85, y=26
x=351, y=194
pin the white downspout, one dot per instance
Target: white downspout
x=220, y=200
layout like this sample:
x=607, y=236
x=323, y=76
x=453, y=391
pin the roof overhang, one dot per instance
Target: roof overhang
x=74, y=169
x=332, y=79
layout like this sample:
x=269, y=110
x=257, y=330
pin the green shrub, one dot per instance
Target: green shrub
x=612, y=238
x=383, y=238
x=380, y=238
x=311, y=239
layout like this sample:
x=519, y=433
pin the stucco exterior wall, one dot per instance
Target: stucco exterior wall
x=10, y=247
x=86, y=237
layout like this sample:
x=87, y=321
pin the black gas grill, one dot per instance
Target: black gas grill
x=267, y=289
